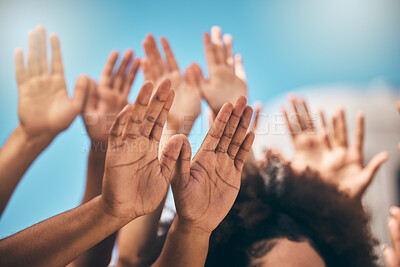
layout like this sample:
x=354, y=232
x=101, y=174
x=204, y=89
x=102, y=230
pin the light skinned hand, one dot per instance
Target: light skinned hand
x=187, y=103
x=107, y=97
x=227, y=79
x=135, y=179
x=44, y=107
x=205, y=188
x=392, y=254
x=329, y=153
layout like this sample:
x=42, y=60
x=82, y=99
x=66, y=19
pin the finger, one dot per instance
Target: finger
x=33, y=54
x=134, y=124
x=216, y=38
x=82, y=88
x=172, y=65
x=131, y=77
x=42, y=48
x=244, y=151
x=152, y=52
x=210, y=56
x=288, y=123
x=395, y=212
x=198, y=75
x=217, y=128
x=92, y=98
x=106, y=75
x=392, y=260
x=20, y=71
x=374, y=164
x=232, y=125
x=257, y=112
x=162, y=118
x=240, y=132
x=293, y=101
x=359, y=135
x=342, y=131
x=148, y=71
x=394, y=230
x=155, y=107
x=239, y=69
x=190, y=77
x=183, y=162
x=121, y=73
x=228, y=49
x=119, y=123
x=211, y=117
x=56, y=59
x=325, y=135
x=307, y=118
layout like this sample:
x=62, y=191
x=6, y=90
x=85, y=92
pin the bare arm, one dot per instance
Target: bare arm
x=44, y=109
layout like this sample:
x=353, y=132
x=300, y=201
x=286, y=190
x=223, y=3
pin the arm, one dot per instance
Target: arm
x=105, y=101
x=44, y=109
x=136, y=240
x=135, y=182
x=392, y=254
x=205, y=189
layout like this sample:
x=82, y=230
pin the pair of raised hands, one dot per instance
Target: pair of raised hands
x=328, y=152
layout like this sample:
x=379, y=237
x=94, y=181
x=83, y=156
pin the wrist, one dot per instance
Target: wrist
x=107, y=211
x=35, y=143
x=189, y=229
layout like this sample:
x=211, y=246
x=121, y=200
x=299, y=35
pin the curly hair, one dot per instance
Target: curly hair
x=276, y=203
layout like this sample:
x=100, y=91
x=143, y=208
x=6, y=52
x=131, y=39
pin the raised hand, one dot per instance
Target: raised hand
x=107, y=98
x=187, y=103
x=44, y=106
x=330, y=154
x=227, y=79
x=205, y=188
x=135, y=179
x=392, y=254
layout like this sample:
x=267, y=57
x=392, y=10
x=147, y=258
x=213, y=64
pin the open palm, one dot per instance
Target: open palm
x=227, y=79
x=107, y=98
x=206, y=188
x=187, y=102
x=330, y=154
x=44, y=105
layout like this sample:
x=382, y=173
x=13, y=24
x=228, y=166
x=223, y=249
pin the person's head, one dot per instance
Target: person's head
x=283, y=219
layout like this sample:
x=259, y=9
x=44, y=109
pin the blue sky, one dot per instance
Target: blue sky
x=285, y=44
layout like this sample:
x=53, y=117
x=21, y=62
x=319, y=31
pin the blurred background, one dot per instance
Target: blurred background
x=336, y=53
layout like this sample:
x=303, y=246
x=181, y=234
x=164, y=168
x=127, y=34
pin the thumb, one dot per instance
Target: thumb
x=171, y=154
x=182, y=169
x=80, y=94
x=374, y=164
x=390, y=256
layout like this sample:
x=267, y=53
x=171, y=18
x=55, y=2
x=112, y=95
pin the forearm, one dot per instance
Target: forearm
x=60, y=239
x=16, y=156
x=184, y=247
x=100, y=254
x=136, y=241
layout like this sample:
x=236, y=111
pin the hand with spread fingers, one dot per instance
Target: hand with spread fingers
x=107, y=97
x=135, y=179
x=187, y=103
x=227, y=79
x=392, y=254
x=205, y=188
x=330, y=153
x=44, y=106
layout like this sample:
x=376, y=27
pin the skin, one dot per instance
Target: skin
x=133, y=185
x=291, y=254
x=329, y=152
x=105, y=100
x=136, y=240
x=206, y=187
x=227, y=79
x=392, y=254
x=187, y=103
x=44, y=108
